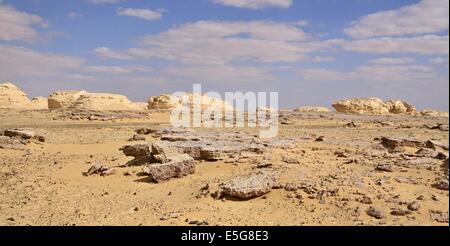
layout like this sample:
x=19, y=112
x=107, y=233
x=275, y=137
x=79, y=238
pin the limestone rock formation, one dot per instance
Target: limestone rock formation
x=400, y=107
x=361, y=106
x=82, y=100
x=310, y=109
x=142, y=105
x=433, y=113
x=11, y=97
x=63, y=99
x=103, y=101
x=373, y=105
x=166, y=101
x=39, y=103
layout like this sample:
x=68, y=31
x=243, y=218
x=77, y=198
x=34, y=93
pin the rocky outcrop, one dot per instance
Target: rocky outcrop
x=433, y=113
x=39, y=103
x=63, y=99
x=141, y=105
x=17, y=138
x=309, y=109
x=166, y=101
x=103, y=102
x=85, y=101
x=361, y=106
x=11, y=97
x=400, y=107
x=373, y=105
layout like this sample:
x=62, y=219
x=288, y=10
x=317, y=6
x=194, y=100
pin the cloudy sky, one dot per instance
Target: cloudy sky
x=311, y=51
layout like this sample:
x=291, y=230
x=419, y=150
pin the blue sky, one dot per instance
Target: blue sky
x=311, y=51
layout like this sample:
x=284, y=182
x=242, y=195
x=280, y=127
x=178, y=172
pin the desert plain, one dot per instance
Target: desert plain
x=75, y=166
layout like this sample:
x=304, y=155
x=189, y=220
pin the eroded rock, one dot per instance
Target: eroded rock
x=246, y=187
x=179, y=166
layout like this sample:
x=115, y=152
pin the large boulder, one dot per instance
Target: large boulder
x=310, y=109
x=63, y=99
x=166, y=101
x=11, y=97
x=373, y=105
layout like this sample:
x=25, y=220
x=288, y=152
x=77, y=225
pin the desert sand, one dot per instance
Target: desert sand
x=68, y=167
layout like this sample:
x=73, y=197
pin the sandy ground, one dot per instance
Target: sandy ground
x=43, y=183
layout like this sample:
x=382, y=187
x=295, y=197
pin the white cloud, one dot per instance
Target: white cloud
x=439, y=60
x=117, y=69
x=17, y=25
x=107, y=69
x=105, y=52
x=210, y=42
x=428, y=44
x=146, y=14
x=425, y=17
x=26, y=62
x=256, y=4
x=105, y=1
x=323, y=59
x=74, y=15
x=377, y=73
x=392, y=61
x=222, y=74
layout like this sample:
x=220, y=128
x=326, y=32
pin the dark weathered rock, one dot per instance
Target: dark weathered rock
x=375, y=212
x=320, y=139
x=398, y=144
x=400, y=212
x=100, y=170
x=137, y=151
x=137, y=137
x=352, y=124
x=384, y=168
x=414, y=206
x=365, y=200
x=247, y=187
x=177, y=167
x=23, y=134
x=441, y=184
x=439, y=216
x=145, y=131
x=435, y=145
x=179, y=137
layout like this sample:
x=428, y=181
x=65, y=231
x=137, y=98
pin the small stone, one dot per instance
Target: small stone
x=413, y=206
x=137, y=137
x=400, y=212
x=375, y=212
x=290, y=160
x=320, y=139
x=384, y=167
x=290, y=187
x=366, y=200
